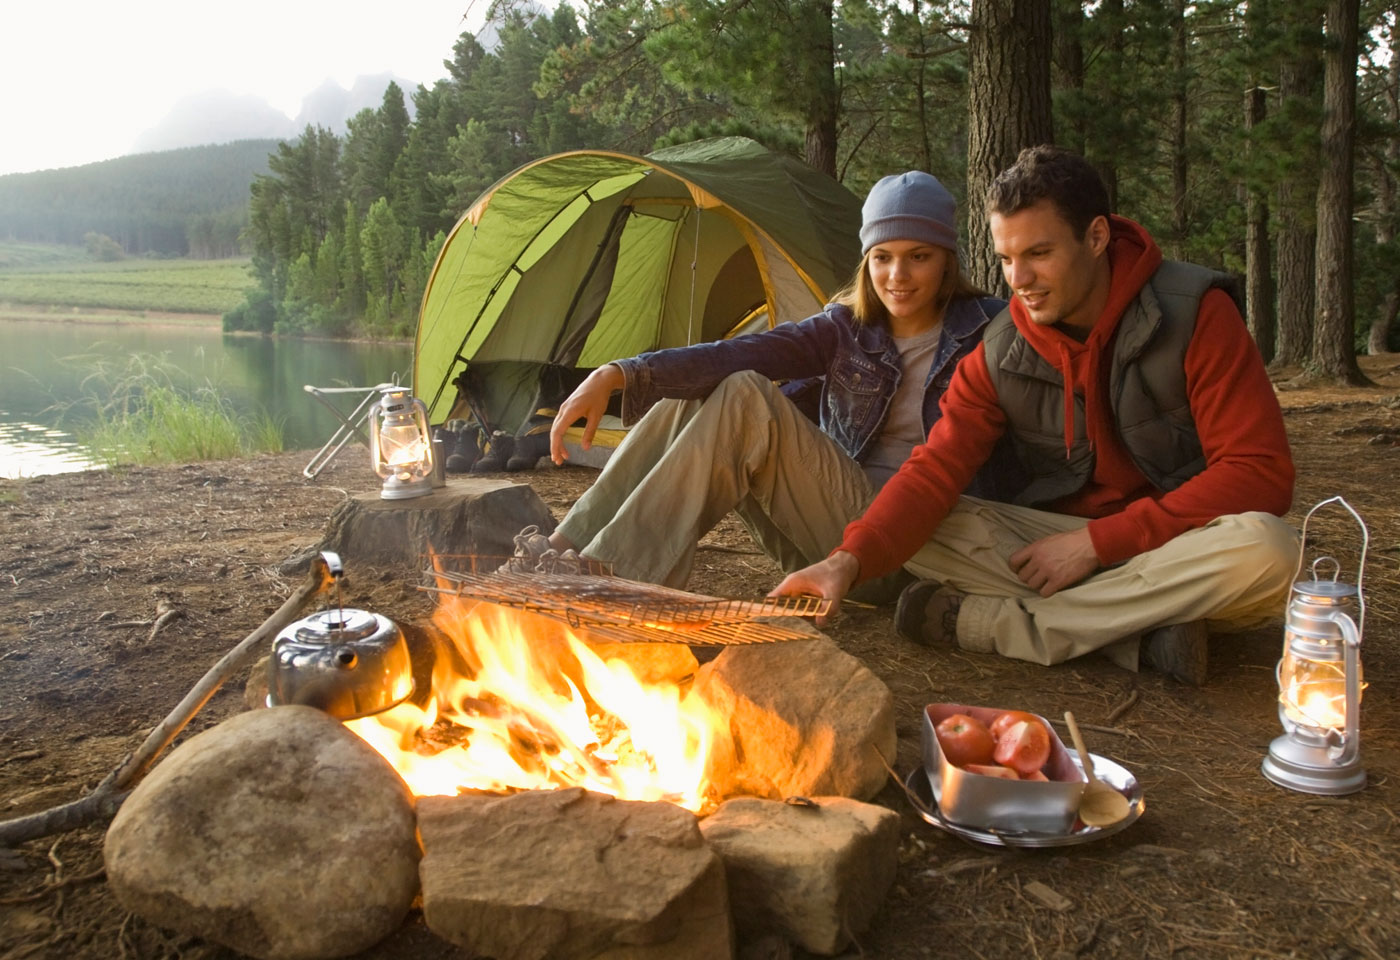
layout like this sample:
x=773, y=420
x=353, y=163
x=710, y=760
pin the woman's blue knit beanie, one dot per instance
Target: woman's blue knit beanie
x=909, y=206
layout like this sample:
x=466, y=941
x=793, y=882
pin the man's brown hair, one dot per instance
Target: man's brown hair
x=1050, y=173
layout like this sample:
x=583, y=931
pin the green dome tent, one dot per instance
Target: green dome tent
x=585, y=257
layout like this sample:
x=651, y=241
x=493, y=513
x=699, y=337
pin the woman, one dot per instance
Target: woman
x=713, y=433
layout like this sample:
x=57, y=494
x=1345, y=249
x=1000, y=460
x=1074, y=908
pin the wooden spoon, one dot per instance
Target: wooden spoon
x=1101, y=805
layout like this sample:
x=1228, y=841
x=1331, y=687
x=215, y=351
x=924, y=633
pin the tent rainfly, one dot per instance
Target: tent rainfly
x=585, y=257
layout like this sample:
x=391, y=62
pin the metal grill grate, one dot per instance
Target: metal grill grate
x=626, y=611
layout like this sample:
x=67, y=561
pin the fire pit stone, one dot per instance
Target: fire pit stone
x=272, y=817
x=571, y=874
x=814, y=874
x=806, y=718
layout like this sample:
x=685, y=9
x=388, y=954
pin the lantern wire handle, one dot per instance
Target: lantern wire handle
x=1361, y=565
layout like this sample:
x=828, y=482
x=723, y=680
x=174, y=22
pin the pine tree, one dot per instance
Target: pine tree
x=1334, y=338
x=1008, y=108
x=1296, y=122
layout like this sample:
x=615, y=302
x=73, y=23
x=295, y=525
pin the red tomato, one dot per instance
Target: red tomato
x=965, y=740
x=1005, y=720
x=1024, y=747
x=993, y=770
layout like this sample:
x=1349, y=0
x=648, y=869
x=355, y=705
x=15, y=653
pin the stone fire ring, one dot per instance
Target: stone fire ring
x=281, y=834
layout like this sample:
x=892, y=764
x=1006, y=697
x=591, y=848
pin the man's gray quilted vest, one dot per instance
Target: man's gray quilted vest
x=1146, y=390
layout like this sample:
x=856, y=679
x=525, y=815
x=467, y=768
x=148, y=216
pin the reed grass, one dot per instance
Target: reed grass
x=134, y=412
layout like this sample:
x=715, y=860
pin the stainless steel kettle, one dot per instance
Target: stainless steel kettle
x=349, y=663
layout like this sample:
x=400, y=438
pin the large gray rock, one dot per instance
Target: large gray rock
x=565, y=874
x=278, y=833
x=814, y=875
x=805, y=718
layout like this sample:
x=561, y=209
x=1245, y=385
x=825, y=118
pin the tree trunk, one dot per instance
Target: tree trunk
x=1179, y=113
x=1258, y=285
x=1112, y=13
x=1378, y=339
x=820, y=147
x=1299, y=74
x=1068, y=70
x=1008, y=107
x=1258, y=290
x=1334, y=338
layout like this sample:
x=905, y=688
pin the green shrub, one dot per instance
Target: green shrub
x=102, y=247
x=136, y=415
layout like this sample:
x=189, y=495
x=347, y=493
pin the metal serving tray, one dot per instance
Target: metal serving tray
x=983, y=802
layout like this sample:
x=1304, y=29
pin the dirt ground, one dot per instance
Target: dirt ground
x=1222, y=863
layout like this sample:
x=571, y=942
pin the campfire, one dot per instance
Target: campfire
x=564, y=780
x=521, y=703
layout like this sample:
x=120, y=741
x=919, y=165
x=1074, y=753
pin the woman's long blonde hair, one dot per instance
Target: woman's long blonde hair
x=860, y=298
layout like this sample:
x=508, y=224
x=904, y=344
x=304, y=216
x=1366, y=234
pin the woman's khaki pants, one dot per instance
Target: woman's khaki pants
x=687, y=463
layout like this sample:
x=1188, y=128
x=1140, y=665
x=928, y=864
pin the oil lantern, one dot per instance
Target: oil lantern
x=400, y=445
x=1319, y=677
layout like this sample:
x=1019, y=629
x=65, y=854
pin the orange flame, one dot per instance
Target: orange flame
x=520, y=703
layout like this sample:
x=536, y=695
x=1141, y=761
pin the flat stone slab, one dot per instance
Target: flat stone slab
x=814, y=875
x=571, y=874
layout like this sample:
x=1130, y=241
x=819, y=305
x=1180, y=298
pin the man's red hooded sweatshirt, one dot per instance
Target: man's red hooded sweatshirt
x=1237, y=417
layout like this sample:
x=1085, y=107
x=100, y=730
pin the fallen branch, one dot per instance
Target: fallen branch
x=49, y=888
x=22, y=755
x=1096, y=728
x=165, y=612
x=107, y=796
x=1118, y=712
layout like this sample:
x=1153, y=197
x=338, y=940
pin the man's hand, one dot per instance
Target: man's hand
x=588, y=403
x=1055, y=562
x=830, y=579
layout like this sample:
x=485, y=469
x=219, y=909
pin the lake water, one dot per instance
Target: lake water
x=43, y=365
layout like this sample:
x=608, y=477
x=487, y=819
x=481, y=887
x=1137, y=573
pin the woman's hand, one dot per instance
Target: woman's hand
x=830, y=579
x=588, y=403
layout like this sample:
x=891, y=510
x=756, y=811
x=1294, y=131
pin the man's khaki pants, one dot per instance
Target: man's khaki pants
x=747, y=448
x=1234, y=573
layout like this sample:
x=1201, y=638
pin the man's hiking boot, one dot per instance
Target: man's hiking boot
x=927, y=613
x=463, y=449
x=498, y=452
x=1179, y=651
x=528, y=450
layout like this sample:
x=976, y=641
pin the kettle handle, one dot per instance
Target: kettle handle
x=1361, y=564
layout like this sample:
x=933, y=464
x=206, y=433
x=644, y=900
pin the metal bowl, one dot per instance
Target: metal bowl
x=349, y=663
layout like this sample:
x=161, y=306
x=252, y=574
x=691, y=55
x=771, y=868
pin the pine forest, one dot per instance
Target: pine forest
x=1258, y=137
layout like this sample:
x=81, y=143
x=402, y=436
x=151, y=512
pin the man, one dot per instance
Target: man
x=1160, y=466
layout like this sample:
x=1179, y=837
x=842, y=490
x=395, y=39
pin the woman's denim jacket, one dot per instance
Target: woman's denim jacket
x=856, y=368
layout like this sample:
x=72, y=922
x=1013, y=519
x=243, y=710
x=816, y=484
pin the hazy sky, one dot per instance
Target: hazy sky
x=80, y=79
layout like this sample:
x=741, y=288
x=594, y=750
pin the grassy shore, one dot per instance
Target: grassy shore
x=54, y=313
x=45, y=282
